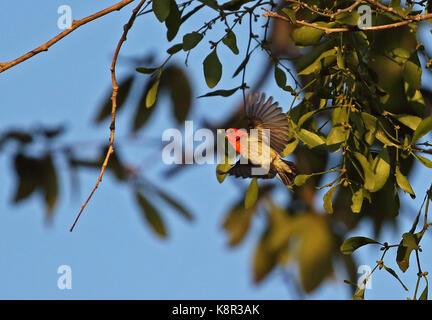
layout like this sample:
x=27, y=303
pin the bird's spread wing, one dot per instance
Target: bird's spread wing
x=264, y=114
x=244, y=170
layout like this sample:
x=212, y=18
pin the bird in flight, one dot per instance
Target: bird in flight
x=260, y=146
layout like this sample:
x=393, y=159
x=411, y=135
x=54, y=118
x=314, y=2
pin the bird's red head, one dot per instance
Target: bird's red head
x=233, y=134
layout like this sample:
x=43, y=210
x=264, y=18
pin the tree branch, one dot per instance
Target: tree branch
x=345, y=29
x=75, y=25
x=126, y=29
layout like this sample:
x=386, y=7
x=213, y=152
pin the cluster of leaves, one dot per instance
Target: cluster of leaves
x=410, y=242
x=362, y=102
x=35, y=153
x=361, y=115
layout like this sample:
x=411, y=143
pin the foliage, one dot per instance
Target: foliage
x=358, y=110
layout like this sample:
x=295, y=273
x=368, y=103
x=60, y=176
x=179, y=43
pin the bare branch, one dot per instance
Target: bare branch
x=75, y=25
x=126, y=29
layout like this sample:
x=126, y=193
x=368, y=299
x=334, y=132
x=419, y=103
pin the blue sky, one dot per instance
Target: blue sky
x=112, y=253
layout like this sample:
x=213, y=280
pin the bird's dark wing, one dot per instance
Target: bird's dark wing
x=244, y=170
x=264, y=114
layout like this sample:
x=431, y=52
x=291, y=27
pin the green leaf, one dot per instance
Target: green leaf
x=337, y=135
x=357, y=200
x=307, y=36
x=177, y=81
x=423, y=128
x=223, y=167
x=325, y=59
x=175, y=204
x=142, y=113
x=348, y=18
x=152, y=94
x=281, y=80
x=122, y=93
x=424, y=295
x=393, y=273
x=424, y=161
x=369, y=177
x=301, y=179
x=311, y=139
x=231, y=42
x=370, y=123
x=212, y=69
x=236, y=223
x=410, y=121
x=359, y=294
x=352, y=244
x=223, y=93
x=233, y=5
x=175, y=48
x=161, y=9
x=264, y=261
x=407, y=245
x=290, y=147
x=403, y=182
x=49, y=184
x=146, y=70
x=381, y=169
x=252, y=194
x=412, y=72
x=241, y=66
x=151, y=215
x=210, y=3
x=328, y=206
x=28, y=170
x=339, y=59
x=290, y=13
x=173, y=21
x=315, y=251
x=190, y=40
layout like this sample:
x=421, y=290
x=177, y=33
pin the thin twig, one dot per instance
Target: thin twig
x=330, y=15
x=75, y=25
x=126, y=29
x=345, y=29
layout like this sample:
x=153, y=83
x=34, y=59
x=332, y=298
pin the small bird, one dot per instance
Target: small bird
x=272, y=132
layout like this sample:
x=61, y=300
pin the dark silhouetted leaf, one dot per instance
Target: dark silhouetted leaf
x=190, y=40
x=241, y=66
x=175, y=204
x=151, y=215
x=161, y=9
x=352, y=244
x=122, y=93
x=237, y=222
x=176, y=80
x=175, y=48
x=223, y=93
x=212, y=69
x=231, y=42
x=146, y=70
x=49, y=184
x=173, y=21
x=393, y=273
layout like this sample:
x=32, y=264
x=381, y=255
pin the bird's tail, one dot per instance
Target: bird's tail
x=286, y=170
